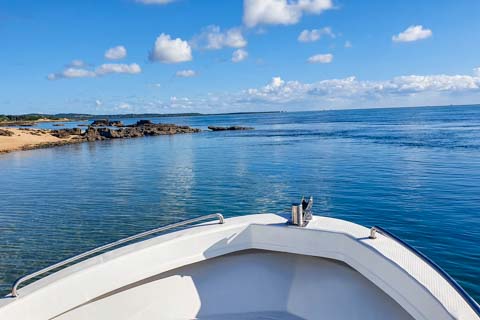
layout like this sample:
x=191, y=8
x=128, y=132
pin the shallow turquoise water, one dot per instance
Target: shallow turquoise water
x=413, y=171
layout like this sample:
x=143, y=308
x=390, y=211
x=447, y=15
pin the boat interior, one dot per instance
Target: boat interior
x=251, y=284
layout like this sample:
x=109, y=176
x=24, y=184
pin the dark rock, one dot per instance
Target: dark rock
x=91, y=134
x=58, y=124
x=150, y=129
x=115, y=123
x=100, y=123
x=6, y=133
x=106, y=123
x=143, y=123
x=65, y=133
x=214, y=128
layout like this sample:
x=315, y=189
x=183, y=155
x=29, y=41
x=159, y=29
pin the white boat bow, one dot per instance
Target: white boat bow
x=250, y=267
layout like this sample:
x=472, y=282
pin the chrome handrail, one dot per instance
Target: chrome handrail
x=470, y=301
x=111, y=245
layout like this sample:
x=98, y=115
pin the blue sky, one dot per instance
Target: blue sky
x=239, y=55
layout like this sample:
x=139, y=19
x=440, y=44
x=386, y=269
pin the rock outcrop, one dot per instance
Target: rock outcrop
x=142, y=123
x=115, y=123
x=100, y=123
x=6, y=133
x=214, y=128
x=65, y=133
x=140, y=129
x=148, y=129
x=106, y=123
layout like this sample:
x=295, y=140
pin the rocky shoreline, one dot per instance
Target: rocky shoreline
x=27, y=139
x=14, y=139
x=142, y=128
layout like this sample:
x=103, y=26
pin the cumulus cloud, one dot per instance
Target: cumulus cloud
x=71, y=73
x=275, y=83
x=351, y=92
x=101, y=70
x=107, y=68
x=239, y=55
x=213, y=38
x=315, y=34
x=124, y=106
x=186, y=73
x=76, y=64
x=476, y=71
x=281, y=11
x=412, y=33
x=160, y=2
x=347, y=44
x=116, y=53
x=168, y=50
x=321, y=58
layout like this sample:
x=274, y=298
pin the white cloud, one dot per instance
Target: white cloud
x=321, y=58
x=349, y=92
x=407, y=90
x=275, y=83
x=124, y=106
x=186, y=73
x=347, y=44
x=212, y=38
x=98, y=103
x=77, y=64
x=107, y=68
x=71, y=73
x=102, y=70
x=412, y=33
x=281, y=11
x=116, y=53
x=239, y=55
x=476, y=71
x=160, y=2
x=169, y=50
x=315, y=34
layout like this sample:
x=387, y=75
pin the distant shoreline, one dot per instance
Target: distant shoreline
x=34, y=118
x=31, y=119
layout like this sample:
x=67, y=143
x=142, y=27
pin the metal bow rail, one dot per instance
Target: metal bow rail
x=27, y=277
x=472, y=303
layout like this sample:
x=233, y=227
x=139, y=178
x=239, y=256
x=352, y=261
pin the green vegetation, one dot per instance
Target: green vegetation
x=25, y=117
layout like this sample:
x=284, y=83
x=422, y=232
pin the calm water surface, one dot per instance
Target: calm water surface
x=414, y=171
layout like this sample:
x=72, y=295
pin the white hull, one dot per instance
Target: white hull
x=251, y=267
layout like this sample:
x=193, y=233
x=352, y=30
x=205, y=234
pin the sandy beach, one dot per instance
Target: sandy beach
x=28, y=139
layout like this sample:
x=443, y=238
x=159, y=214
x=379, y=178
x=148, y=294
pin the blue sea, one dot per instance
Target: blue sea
x=414, y=171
